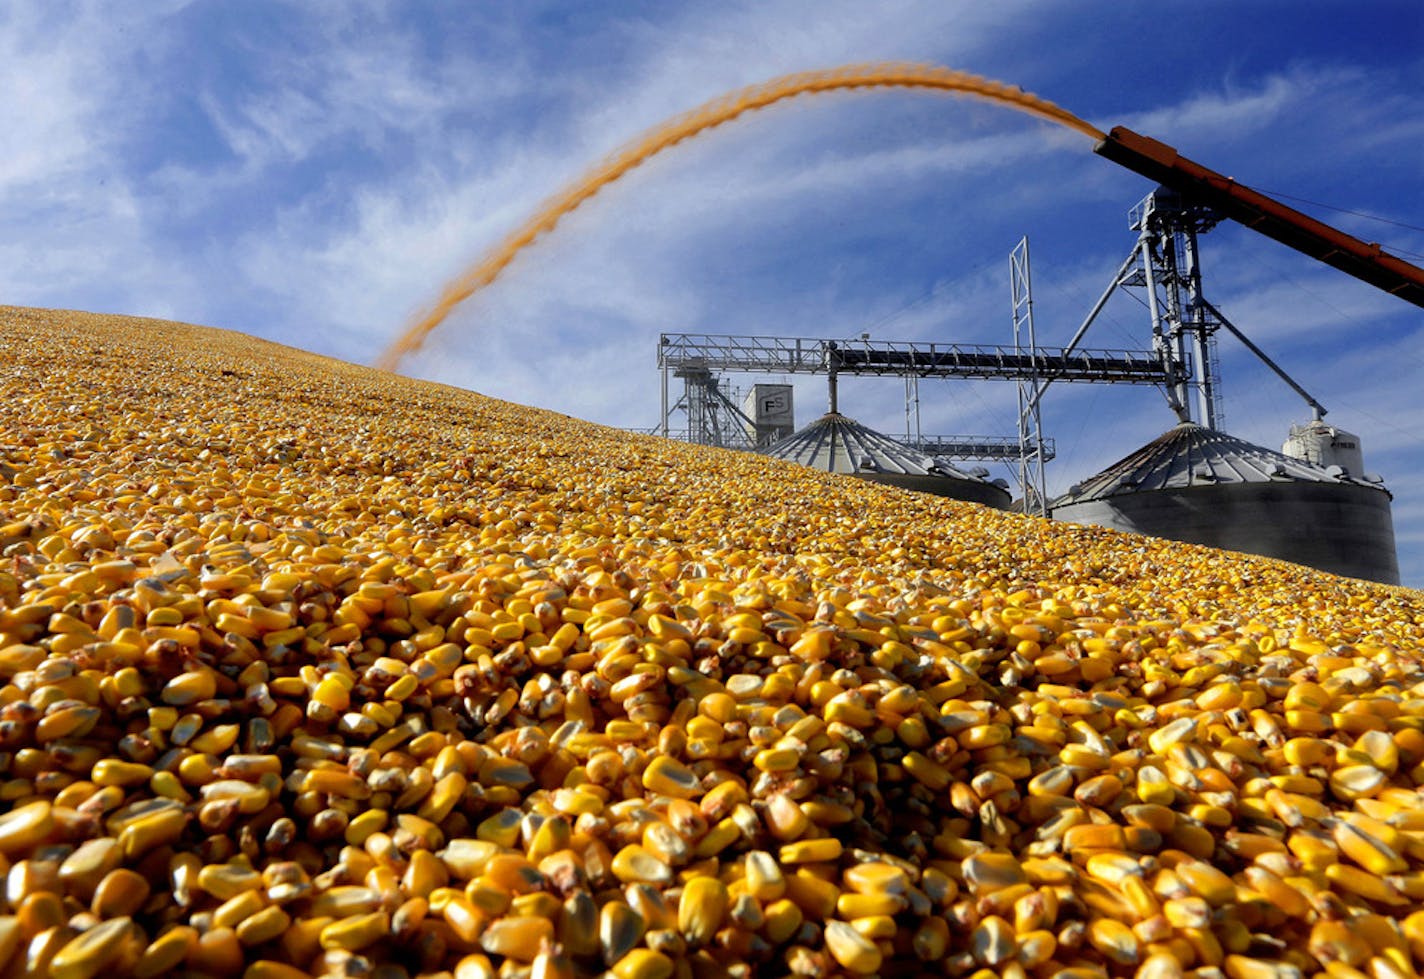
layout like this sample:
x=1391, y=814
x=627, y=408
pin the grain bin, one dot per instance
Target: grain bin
x=1203, y=486
x=835, y=443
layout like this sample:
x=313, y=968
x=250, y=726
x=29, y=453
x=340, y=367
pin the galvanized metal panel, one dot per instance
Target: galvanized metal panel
x=1342, y=528
x=837, y=444
x=1201, y=486
x=1192, y=455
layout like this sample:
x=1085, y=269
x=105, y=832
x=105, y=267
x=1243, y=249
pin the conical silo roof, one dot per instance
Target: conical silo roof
x=1192, y=455
x=835, y=443
x=1201, y=486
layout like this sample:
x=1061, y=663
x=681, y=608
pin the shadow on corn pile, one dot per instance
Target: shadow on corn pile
x=310, y=669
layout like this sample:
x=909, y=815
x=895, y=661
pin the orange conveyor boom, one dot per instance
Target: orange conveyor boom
x=1364, y=260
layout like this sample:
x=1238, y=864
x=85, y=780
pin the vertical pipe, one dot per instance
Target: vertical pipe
x=908, y=433
x=1031, y=447
x=690, y=407
x=1039, y=481
x=665, y=401
x=1177, y=325
x=1037, y=433
x=1165, y=259
x=1160, y=340
x=1014, y=303
x=1196, y=318
x=919, y=433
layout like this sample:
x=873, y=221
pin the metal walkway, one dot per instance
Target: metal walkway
x=808, y=355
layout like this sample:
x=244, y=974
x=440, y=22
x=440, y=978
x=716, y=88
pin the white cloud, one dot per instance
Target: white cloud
x=354, y=78
x=1209, y=115
x=77, y=226
x=402, y=228
x=51, y=101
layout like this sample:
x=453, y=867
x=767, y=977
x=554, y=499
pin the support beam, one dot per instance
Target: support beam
x=1315, y=406
x=804, y=355
x=1366, y=261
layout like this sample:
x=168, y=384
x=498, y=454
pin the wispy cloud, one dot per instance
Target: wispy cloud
x=350, y=76
x=78, y=227
x=55, y=94
x=1213, y=114
x=394, y=236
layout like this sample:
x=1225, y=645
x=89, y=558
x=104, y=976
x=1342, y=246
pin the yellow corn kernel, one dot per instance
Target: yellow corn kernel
x=1207, y=882
x=88, y=954
x=993, y=941
x=24, y=827
x=634, y=863
x=642, y=963
x=111, y=771
x=1241, y=967
x=356, y=932
x=619, y=929
x=877, y=878
x=1353, y=880
x=764, y=879
x=786, y=820
x=668, y=776
x=852, y=950
x=121, y=893
x=932, y=776
x=1115, y=941
x=811, y=851
x=154, y=830
x=851, y=906
x=266, y=925
x=166, y=952
x=1367, y=850
x=189, y=688
x=815, y=896
x=702, y=909
x=782, y=918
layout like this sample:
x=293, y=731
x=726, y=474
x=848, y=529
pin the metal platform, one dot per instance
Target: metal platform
x=987, y=448
x=809, y=355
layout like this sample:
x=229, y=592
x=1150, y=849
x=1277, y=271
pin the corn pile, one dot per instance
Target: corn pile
x=309, y=669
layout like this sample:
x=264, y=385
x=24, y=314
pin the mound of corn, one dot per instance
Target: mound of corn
x=309, y=669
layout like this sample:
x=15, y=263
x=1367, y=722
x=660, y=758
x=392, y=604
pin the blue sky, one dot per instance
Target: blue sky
x=314, y=172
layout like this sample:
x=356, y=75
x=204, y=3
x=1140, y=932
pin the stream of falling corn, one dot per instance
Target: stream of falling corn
x=310, y=669
x=705, y=117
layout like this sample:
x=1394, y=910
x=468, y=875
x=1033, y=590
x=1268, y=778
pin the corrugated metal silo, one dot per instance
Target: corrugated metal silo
x=1203, y=486
x=835, y=443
